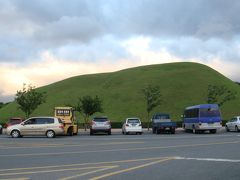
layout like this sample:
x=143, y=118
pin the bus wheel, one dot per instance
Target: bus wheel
x=194, y=130
x=213, y=131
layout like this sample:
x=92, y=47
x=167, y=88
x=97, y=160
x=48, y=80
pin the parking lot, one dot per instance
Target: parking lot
x=164, y=156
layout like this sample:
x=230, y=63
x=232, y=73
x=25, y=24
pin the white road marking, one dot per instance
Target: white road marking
x=209, y=159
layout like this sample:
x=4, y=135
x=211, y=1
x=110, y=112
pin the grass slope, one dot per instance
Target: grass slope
x=181, y=84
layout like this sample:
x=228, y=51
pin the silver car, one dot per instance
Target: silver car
x=100, y=124
x=233, y=124
x=47, y=126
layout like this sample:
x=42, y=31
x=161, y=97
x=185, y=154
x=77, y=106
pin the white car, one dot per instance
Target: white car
x=132, y=125
x=233, y=124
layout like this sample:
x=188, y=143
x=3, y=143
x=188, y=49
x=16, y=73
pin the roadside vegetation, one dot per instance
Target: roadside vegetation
x=29, y=99
x=153, y=99
x=88, y=106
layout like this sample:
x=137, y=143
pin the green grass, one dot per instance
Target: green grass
x=181, y=84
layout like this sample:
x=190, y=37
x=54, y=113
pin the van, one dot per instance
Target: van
x=37, y=126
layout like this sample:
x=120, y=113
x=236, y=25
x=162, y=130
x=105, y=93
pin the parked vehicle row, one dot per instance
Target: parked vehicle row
x=199, y=118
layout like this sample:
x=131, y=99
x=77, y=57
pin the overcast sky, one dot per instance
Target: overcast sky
x=43, y=41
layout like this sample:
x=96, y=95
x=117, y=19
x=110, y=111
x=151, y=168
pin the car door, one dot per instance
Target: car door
x=27, y=128
x=40, y=126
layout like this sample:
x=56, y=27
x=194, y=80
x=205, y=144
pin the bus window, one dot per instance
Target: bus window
x=209, y=112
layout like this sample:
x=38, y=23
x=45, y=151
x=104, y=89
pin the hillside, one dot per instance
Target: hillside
x=181, y=84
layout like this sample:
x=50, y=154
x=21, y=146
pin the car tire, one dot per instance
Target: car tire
x=227, y=129
x=15, y=134
x=91, y=132
x=237, y=129
x=70, y=132
x=122, y=132
x=154, y=130
x=50, y=134
x=109, y=132
x=140, y=133
x=172, y=131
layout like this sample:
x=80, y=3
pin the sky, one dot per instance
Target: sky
x=44, y=41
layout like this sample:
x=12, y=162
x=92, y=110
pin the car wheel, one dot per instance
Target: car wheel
x=154, y=130
x=109, y=132
x=172, y=131
x=237, y=129
x=227, y=129
x=50, y=134
x=122, y=132
x=140, y=133
x=70, y=132
x=15, y=134
x=91, y=132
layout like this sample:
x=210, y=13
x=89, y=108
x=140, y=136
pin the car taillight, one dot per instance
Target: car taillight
x=61, y=126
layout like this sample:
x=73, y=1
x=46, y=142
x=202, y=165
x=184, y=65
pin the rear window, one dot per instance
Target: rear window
x=209, y=112
x=100, y=119
x=161, y=116
x=133, y=121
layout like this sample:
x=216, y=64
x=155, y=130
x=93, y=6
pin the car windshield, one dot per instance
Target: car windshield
x=100, y=119
x=131, y=121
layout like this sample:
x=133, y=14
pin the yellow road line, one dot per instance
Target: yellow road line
x=17, y=179
x=126, y=149
x=50, y=171
x=70, y=145
x=87, y=173
x=82, y=164
x=130, y=169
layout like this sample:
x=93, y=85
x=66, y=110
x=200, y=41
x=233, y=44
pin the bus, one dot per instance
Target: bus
x=203, y=117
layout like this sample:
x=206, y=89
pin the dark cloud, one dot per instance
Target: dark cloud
x=193, y=27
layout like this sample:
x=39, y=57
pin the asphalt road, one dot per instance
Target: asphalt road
x=147, y=156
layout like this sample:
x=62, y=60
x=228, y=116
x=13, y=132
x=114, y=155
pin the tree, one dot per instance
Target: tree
x=219, y=95
x=29, y=99
x=152, y=96
x=88, y=105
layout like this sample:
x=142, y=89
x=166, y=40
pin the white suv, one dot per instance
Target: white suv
x=48, y=126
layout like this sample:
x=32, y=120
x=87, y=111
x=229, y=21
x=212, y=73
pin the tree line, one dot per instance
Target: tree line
x=29, y=99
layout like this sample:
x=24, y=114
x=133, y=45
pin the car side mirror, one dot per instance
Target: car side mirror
x=22, y=124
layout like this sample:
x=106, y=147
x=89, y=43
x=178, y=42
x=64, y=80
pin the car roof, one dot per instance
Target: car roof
x=133, y=118
x=41, y=117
